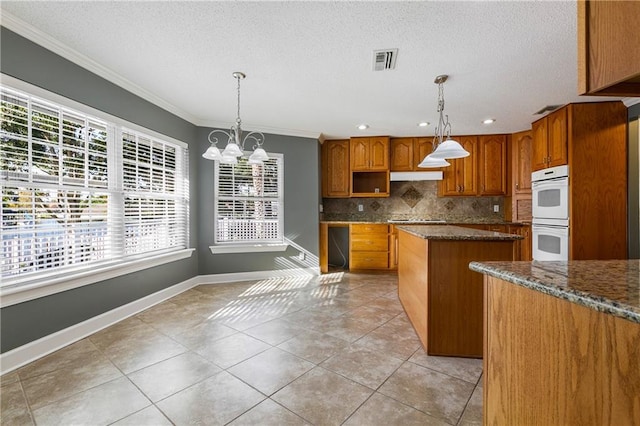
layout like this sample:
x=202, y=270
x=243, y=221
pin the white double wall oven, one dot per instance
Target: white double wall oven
x=550, y=196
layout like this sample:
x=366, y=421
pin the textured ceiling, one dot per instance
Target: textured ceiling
x=309, y=64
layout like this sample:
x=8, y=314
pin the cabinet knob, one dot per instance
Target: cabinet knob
x=517, y=186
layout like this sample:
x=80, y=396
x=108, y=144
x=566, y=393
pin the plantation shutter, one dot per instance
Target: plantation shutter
x=248, y=202
x=55, y=187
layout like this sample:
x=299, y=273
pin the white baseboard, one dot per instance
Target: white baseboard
x=32, y=351
x=258, y=275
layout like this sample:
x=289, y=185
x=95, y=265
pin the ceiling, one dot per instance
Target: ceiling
x=309, y=64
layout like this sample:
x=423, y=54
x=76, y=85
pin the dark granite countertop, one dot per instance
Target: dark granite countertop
x=450, y=232
x=611, y=286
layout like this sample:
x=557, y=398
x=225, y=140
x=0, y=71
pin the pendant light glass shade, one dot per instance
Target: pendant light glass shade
x=212, y=153
x=431, y=161
x=232, y=150
x=259, y=154
x=229, y=159
x=449, y=149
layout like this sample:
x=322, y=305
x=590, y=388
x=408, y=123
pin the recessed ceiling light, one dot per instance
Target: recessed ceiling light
x=363, y=126
x=423, y=124
x=489, y=121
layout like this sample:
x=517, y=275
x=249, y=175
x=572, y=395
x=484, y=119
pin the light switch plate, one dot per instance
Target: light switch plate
x=496, y=208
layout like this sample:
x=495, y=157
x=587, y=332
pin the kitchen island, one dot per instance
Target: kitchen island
x=441, y=296
x=562, y=342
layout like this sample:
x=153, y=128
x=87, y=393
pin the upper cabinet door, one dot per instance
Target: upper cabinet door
x=557, y=138
x=359, y=153
x=608, y=53
x=402, y=154
x=493, y=165
x=539, y=148
x=421, y=148
x=468, y=165
x=522, y=144
x=335, y=169
x=379, y=153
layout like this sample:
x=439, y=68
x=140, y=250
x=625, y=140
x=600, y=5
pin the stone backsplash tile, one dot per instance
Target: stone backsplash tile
x=414, y=200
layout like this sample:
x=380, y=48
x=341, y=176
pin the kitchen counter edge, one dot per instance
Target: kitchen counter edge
x=457, y=233
x=507, y=271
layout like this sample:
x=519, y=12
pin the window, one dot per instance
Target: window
x=80, y=192
x=249, y=203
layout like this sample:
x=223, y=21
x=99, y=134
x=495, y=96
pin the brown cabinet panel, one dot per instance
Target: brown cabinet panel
x=557, y=139
x=608, y=54
x=550, y=140
x=421, y=148
x=379, y=154
x=368, y=246
x=493, y=165
x=461, y=177
x=548, y=361
x=539, y=147
x=521, y=162
x=402, y=154
x=359, y=154
x=335, y=169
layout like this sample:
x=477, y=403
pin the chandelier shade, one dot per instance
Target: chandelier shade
x=235, y=142
x=443, y=146
x=431, y=161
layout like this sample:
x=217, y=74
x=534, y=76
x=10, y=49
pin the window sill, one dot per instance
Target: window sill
x=248, y=248
x=23, y=292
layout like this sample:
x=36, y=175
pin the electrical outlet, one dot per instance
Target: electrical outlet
x=360, y=208
x=496, y=208
x=321, y=208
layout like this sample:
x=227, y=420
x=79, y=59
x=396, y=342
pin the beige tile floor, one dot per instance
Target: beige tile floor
x=329, y=350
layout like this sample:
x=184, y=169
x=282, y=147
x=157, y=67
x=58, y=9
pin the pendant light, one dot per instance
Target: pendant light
x=444, y=146
x=235, y=143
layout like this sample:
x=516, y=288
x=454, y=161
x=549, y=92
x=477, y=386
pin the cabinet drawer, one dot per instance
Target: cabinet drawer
x=369, y=260
x=373, y=242
x=369, y=228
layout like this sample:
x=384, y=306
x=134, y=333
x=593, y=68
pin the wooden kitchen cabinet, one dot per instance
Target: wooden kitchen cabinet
x=368, y=246
x=492, y=173
x=335, y=169
x=369, y=154
x=407, y=153
x=421, y=148
x=402, y=150
x=550, y=361
x=369, y=159
x=460, y=178
x=522, y=248
x=521, y=144
x=608, y=53
x=549, y=147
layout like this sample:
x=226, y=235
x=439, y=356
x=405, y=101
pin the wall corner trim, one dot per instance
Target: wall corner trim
x=32, y=351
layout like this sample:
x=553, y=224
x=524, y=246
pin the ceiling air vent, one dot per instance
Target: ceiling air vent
x=384, y=59
x=548, y=108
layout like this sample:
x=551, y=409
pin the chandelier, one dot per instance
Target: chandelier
x=235, y=143
x=443, y=146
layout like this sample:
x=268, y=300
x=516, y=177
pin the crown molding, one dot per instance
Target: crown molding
x=29, y=32
x=628, y=102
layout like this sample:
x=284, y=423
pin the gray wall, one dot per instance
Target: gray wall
x=28, y=321
x=301, y=215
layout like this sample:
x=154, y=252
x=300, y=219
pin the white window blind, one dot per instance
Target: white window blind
x=155, y=201
x=65, y=203
x=249, y=202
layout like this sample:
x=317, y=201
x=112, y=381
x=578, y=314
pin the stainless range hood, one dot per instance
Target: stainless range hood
x=407, y=176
